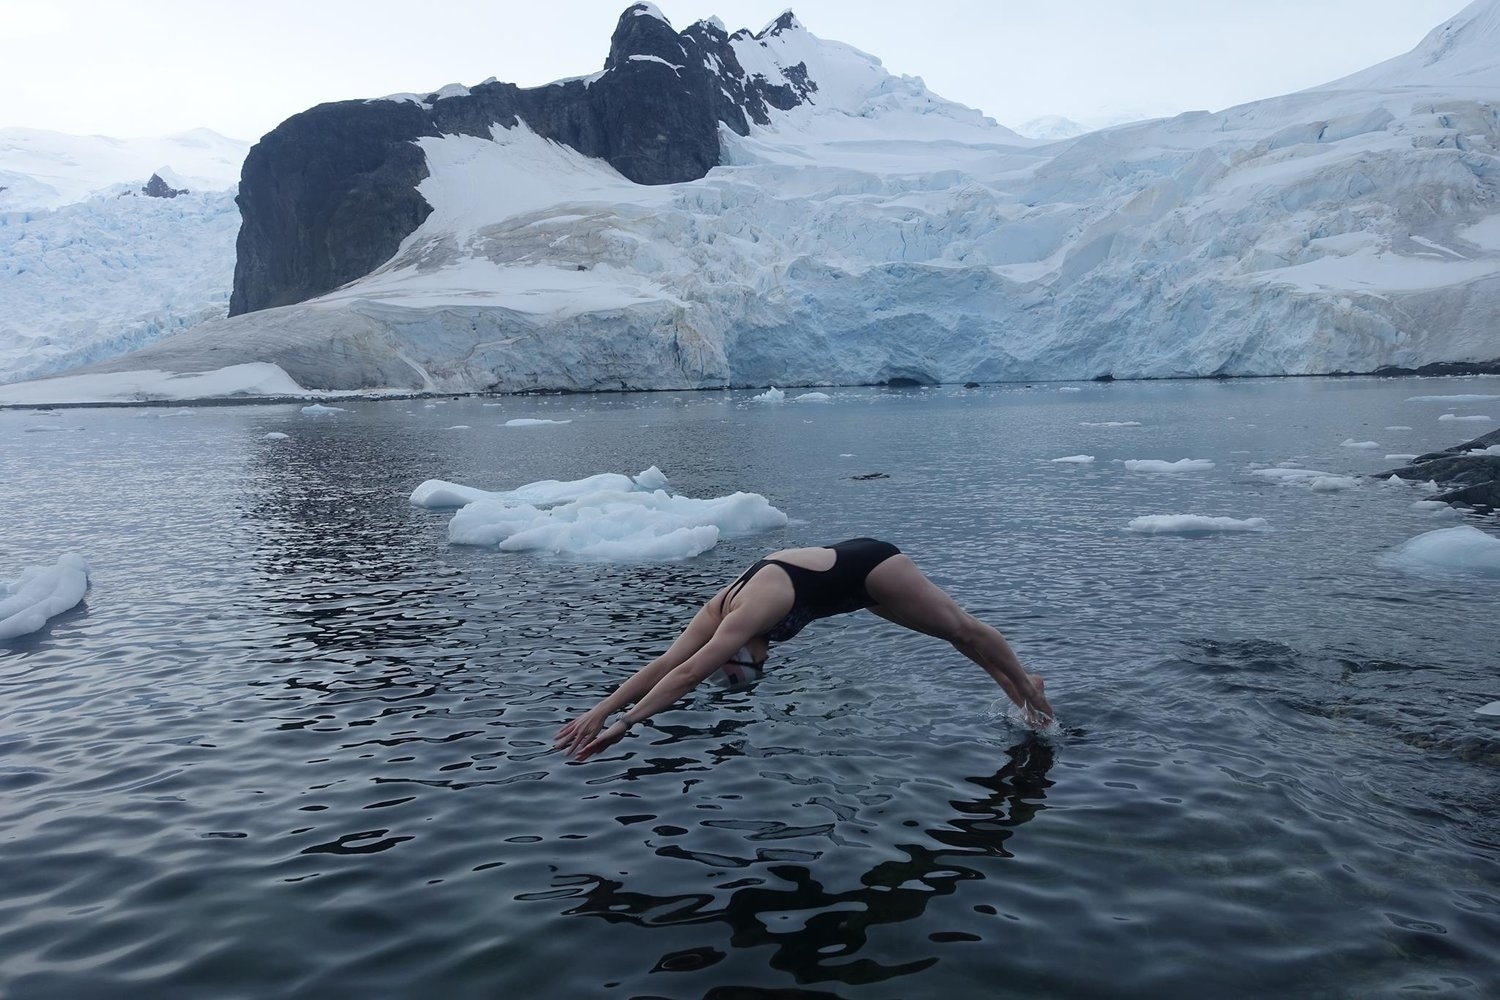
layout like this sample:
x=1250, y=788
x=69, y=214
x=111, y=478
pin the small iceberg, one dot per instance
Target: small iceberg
x=533, y=422
x=1460, y=551
x=319, y=410
x=438, y=494
x=1074, y=459
x=607, y=517
x=41, y=593
x=771, y=395
x=814, y=397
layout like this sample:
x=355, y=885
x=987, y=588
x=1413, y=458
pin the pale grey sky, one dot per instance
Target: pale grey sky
x=155, y=67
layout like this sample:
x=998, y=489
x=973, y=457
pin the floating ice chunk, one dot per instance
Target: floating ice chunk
x=615, y=526
x=1395, y=480
x=43, y=428
x=1158, y=465
x=1493, y=449
x=1069, y=388
x=1193, y=524
x=319, y=410
x=1351, y=443
x=533, y=422
x=436, y=494
x=460, y=427
x=1332, y=484
x=1473, y=418
x=41, y=593
x=276, y=436
x=1299, y=476
x=491, y=404
x=1433, y=505
x=1109, y=423
x=1462, y=550
x=771, y=395
x=1398, y=427
x=814, y=397
x=1491, y=710
x=167, y=414
x=1469, y=398
x=1400, y=457
x=1074, y=459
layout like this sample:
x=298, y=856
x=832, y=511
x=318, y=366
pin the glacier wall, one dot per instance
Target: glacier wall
x=877, y=232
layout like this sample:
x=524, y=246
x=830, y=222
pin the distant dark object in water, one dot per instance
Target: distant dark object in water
x=1477, y=477
x=1106, y=377
x=971, y=385
x=872, y=475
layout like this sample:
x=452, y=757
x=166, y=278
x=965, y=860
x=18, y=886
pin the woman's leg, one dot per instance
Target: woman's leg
x=903, y=594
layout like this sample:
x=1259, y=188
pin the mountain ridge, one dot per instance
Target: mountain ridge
x=873, y=231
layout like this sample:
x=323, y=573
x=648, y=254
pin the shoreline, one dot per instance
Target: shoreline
x=1437, y=369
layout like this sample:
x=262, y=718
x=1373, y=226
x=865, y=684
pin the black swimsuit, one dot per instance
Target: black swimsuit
x=822, y=593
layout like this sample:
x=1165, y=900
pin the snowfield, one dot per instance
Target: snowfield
x=90, y=268
x=883, y=233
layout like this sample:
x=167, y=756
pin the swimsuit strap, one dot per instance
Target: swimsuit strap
x=792, y=569
x=739, y=583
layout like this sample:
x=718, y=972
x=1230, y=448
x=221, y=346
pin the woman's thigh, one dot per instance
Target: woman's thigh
x=903, y=594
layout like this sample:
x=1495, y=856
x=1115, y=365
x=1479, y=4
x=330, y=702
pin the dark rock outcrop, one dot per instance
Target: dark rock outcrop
x=329, y=194
x=1475, y=476
x=158, y=188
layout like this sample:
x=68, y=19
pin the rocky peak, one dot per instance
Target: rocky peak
x=158, y=188
x=642, y=33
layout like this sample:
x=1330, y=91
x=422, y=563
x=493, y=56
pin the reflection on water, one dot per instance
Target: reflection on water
x=296, y=745
x=815, y=932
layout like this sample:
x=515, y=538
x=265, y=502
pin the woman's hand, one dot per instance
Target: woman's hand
x=580, y=731
x=603, y=741
x=1035, y=704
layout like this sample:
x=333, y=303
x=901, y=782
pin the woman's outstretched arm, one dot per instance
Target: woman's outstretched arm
x=733, y=631
x=583, y=729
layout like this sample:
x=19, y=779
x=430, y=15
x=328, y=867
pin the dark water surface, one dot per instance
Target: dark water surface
x=296, y=745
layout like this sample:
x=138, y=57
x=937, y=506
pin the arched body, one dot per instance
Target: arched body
x=771, y=601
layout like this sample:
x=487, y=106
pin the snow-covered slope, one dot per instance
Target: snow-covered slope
x=41, y=169
x=91, y=268
x=879, y=232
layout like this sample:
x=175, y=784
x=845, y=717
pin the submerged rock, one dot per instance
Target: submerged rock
x=1471, y=469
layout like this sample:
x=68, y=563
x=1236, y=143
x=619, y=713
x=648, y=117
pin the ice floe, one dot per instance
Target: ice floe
x=1193, y=524
x=38, y=594
x=1462, y=550
x=437, y=494
x=1109, y=423
x=1473, y=418
x=813, y=397
x=1351, y=443
x=1158, y=465
x=607, y=517
x=533, y=422
x=771, y=395
x=1074, y=459
x=1313, y=479
x=320, y=410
